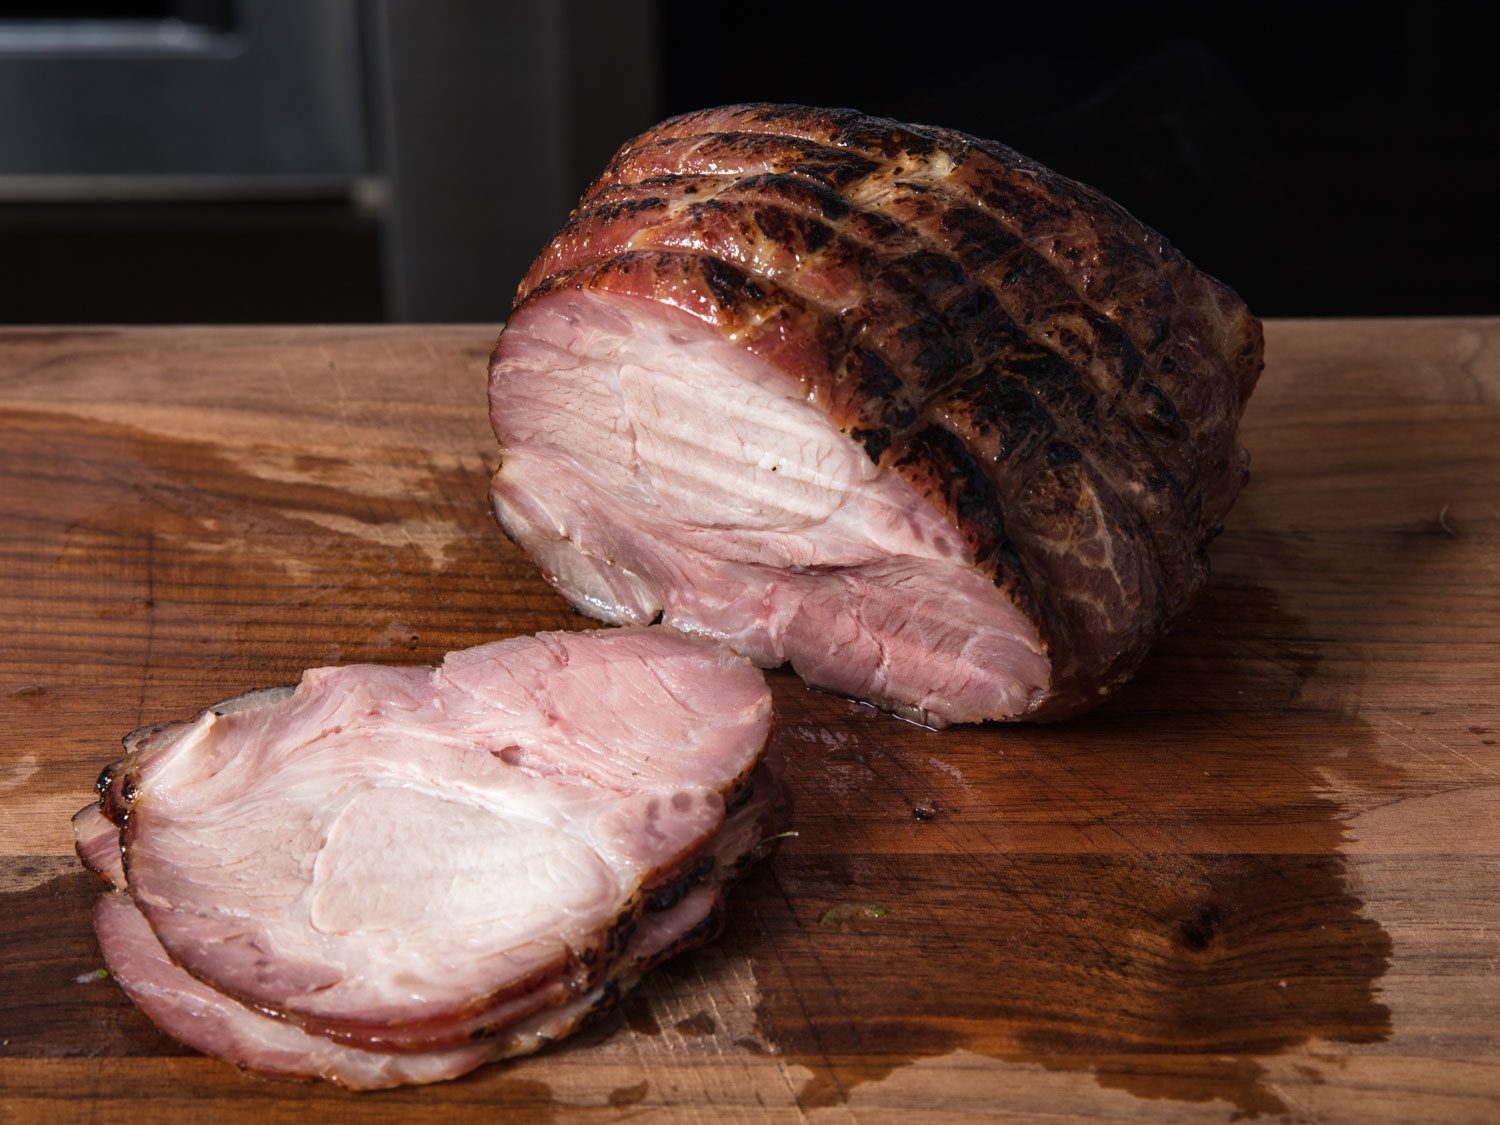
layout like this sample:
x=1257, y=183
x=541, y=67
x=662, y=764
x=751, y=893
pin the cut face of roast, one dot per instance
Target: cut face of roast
x=690, y=480
x=412, y=856
x=944, y=429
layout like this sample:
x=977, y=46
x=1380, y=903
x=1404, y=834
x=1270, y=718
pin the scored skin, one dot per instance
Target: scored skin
x=890, y=302
x=841, y=378
x=902, y=283
x=1113, y=257
x=1208, y=403
x=888, y=225
x=1204, y=346
x=992, y=290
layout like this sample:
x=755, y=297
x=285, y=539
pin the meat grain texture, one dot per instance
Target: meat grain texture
x=944, y=429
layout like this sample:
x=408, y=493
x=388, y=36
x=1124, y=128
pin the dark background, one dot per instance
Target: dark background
x=357, y=160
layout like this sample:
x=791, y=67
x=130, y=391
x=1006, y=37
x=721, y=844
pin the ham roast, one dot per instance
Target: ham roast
x=389, y=875
x=945, y=430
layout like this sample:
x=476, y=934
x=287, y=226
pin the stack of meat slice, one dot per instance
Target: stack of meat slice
x=944, y=429
x=393, y=875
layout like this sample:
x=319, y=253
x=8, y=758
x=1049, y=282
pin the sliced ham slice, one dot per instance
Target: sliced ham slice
x=411, y=856
x=196, y=1015
x=200, y=1017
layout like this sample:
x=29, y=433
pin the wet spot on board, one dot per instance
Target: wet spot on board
x=1121, y=917
x=636, y=1010
x=629, y=1095
x=701, y=1023
x=46, y=946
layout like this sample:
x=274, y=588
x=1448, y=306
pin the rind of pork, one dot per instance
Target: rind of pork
x=1111, y=256
x=1203, y=346
x=930, y=294
x=161, y=841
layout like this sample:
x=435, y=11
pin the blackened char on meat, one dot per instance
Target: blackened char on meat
x=749, y=297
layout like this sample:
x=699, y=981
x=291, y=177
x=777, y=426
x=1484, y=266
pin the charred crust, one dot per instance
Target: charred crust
x=740, y=796
x=978, y=315
x=945, y=462
x=1163, y=411
x=930, y=275
x=1005, y=417
x=619, y=935
x=1061, y=454
x=775, y=224
x=797, y=190
x=977, y=240
x=729, y=286
x=874, y=439
x=1052, y=379
x=625, y=209
x=873, y=378
x=938, y=357
x=669, y=895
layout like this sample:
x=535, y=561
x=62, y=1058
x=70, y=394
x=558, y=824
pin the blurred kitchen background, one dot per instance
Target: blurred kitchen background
x=223, y=161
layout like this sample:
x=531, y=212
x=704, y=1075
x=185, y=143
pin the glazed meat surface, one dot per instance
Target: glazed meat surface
x=945, y=430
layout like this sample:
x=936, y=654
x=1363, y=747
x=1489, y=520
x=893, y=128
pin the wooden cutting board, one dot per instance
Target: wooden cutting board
x=1263, y=881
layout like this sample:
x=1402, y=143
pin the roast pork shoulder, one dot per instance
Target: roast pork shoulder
x=945, y=430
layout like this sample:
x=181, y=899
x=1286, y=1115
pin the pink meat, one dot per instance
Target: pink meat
x=402, y=855
x=195, y=1014
x=767, y=529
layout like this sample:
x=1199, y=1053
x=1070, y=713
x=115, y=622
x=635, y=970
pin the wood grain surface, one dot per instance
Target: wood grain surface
x=1263, y=881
